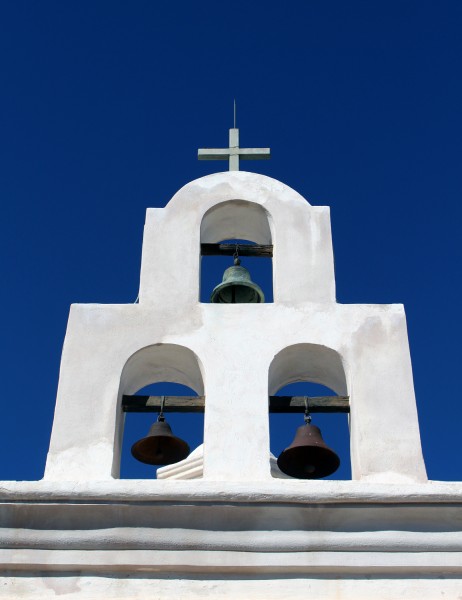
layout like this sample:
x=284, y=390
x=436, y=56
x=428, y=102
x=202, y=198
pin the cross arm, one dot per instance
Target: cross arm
x=255, y=153
x=213, y=154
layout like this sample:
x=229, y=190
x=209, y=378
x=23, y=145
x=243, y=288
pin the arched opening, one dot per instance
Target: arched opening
x=161, y=370
x=314, y=371
x=187, y=426
x=213, y=268
x=239, y=225
x=334, y=426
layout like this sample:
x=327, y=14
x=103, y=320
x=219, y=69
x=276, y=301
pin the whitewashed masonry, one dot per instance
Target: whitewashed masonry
x=238, y=530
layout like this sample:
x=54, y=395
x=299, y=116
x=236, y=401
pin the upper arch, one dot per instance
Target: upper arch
x=237, y=205
x=162, y=362
x=236, y=219
x=307, y=362
x=235, y=185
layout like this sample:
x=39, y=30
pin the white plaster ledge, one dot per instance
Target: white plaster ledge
x=277, y=491
x=161, y=538
x=228, y=562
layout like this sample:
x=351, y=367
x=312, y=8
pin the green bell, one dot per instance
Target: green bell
x=237, y=287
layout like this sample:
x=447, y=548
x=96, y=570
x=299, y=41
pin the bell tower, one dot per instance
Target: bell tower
x=228, y=520
x=230, y=352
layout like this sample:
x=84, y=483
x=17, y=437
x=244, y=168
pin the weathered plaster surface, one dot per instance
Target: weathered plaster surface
x=147, y=539
x=359, y=350
x=98, y=350
x=227, y=524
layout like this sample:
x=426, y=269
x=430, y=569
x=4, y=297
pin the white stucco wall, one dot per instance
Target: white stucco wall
x=360, y=350
x=243, y=206
x=173, y=539
x=234, y=529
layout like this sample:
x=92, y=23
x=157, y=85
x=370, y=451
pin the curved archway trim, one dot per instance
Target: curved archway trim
x=308, y=362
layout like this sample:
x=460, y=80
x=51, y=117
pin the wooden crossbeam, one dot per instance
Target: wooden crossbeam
x=316, y=404
x=230, y=249
x=189, y=404
x=277, y=404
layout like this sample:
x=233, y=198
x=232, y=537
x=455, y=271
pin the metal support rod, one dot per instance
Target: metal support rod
x=277, y=404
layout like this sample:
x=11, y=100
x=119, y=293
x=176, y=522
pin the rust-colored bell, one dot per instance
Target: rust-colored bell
x=308, y=456
x=160, y=446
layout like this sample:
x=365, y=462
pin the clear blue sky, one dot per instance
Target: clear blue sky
x=103, y=106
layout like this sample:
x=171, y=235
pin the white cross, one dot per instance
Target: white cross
x=233, y=152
